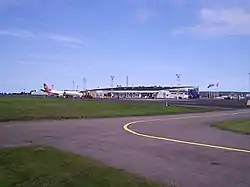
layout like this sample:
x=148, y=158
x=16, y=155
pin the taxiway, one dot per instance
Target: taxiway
x=155, y=158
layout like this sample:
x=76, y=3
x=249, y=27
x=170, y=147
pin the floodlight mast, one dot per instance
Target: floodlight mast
x=112, y=77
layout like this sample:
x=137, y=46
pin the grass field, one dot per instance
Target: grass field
x=238, y=125
x=36, y=166
x=27, y=108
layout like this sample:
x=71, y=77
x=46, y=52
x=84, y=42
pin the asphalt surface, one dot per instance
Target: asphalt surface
x=220, y=103
x=165, y=161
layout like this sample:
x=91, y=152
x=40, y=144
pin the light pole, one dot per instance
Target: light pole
x=127, y=81
x=112, y=84
x=178, y=83
x=73, y=85
x=249, y=82
x=84, y=83
x=178, y=76
x=112, y=80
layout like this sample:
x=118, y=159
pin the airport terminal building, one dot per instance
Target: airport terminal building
x=153, y=92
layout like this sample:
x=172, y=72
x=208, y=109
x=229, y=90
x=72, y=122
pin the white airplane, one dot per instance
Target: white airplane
x=61, y=93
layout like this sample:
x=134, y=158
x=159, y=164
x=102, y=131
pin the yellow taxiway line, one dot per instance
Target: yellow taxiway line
x=126, y=128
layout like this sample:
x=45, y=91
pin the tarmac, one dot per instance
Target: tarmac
x=220, y=103
x=180, y=148
x=213, y=103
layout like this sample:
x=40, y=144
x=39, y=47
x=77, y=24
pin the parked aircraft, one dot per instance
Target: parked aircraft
x=61, y=93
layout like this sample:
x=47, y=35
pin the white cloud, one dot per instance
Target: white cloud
x=73, y=45
x=17, y=33
x=234, y=16
x=62, y=38
x=66, y=40
x=208, y=3
x=231, y=21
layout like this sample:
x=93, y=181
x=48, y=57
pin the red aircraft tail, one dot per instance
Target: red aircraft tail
x=46, y=88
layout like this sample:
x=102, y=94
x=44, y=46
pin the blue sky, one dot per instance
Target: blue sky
x=58, y=41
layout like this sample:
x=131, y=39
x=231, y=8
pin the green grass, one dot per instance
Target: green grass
x=27, y=108
x=36, y=166
x=238, y=125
